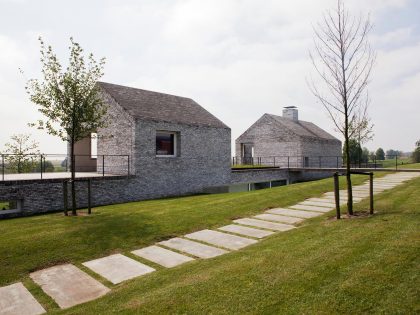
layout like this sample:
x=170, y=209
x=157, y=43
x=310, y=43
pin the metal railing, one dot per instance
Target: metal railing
x=300, y=161
x=47, y=166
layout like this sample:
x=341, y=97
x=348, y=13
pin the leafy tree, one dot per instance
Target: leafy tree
x=47, y=166
x=22, y=153
x=415, y=156
x=69, y=99
x=390, y=154
x=380, y=154
x=343, y=60
x=355, y=151
x=365, y=155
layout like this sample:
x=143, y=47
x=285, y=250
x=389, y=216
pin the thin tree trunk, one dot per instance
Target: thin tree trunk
x=73, y=177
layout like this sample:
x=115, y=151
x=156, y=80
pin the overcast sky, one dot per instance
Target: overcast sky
x=237, y=58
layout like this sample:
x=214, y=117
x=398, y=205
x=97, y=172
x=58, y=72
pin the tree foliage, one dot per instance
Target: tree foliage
x=380, y=154
x=69, y=98
x=22, y=153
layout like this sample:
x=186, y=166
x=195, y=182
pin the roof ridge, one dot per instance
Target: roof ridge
x=150, y=91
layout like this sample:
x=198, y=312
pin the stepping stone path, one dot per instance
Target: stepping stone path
x=247, y=231
x=220, y=239
x=264, y=224
x=118, y=268
x=69, y=286
x=16, y=299
x=162, y=256
x=193, y=248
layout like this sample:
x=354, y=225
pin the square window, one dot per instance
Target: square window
x=165, y=143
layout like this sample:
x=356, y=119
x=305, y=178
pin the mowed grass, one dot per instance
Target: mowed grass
x=410, y=166
x=368, y=265
x=364, y=265
x=33, y=243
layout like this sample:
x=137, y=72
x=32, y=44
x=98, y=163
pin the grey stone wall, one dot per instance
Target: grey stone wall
x=116, y=139
x=270, y=140
x=203, y=159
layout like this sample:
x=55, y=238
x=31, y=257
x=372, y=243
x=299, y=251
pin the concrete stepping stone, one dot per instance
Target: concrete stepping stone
x=247, y=231
x=330, y=199
x=193, y=248
x=162, y=256
x=278, y=218
x=220, y=239
x=68, y=285
x=310, y=208
x=118, y=268
x=265, y=224
x=326, y=204
x=15, y=299
x=294, y=213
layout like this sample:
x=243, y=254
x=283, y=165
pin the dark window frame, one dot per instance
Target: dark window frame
x=174, y=139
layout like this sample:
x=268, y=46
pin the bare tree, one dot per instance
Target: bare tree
x=343, y=60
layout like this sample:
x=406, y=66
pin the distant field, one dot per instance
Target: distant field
x=4, y=206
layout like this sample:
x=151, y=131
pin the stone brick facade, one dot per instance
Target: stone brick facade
x=282, y=138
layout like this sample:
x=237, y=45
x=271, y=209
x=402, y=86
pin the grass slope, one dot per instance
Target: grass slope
x=365, y=265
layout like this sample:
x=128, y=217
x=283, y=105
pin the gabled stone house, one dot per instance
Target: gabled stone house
x=290, y=140
x=174, y=146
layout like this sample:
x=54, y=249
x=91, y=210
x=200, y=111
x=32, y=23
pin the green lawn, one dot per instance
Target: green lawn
x=365, y=265
x=4, y=206
x=410, y=166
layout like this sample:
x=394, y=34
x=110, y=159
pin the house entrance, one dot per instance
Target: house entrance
x=247, y=153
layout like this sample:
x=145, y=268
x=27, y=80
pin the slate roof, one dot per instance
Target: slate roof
x=303, y=128
x=156, y=106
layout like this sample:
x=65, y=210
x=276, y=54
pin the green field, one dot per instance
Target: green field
x=4, y=206
x=365, y=265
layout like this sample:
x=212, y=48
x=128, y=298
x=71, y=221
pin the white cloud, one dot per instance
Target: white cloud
x=238, y=58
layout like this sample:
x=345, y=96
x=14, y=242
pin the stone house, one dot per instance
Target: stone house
x=286, y=140
x=170, y=145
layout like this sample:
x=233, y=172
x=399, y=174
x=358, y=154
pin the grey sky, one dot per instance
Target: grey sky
x=237, y=58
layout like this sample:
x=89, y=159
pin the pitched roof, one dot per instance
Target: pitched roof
x=156, y=106
x=302, y=128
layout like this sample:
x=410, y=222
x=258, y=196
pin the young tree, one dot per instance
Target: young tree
x=343, y=59
x=69, y=99
x=380, y=154
x=23, y=153
x=416, y=154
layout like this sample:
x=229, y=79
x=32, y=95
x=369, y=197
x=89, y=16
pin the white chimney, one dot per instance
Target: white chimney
x=291, y=112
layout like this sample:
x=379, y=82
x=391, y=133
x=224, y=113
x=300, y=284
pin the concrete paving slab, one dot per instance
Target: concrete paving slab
x=68, y=285
x=220, y=239
x=264, y=224
x=162, y=256
x=326, y=204
x=295, y=213
x=193, y=248
x=310, y=208
x=118, y=268
x=330, y=199
x=15, y=299
x=278, y=218
x=247, y=231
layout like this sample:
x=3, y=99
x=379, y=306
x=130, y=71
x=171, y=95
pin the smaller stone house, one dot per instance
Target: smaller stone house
x=287, y=141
